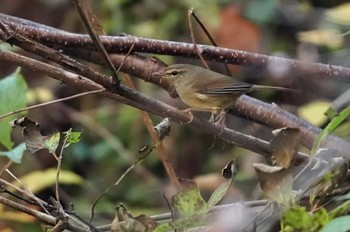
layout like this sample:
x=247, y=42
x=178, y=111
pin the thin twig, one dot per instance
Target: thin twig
x=212, y=41
x=162, y=152
x=28, y=192
x=42, y=216
x=80, y=5
x=92, y=215
x=51, y=102
x=126, y=56
x=59, y=163
x=194, y=40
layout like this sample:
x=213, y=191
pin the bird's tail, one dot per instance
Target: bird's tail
x=260, y=87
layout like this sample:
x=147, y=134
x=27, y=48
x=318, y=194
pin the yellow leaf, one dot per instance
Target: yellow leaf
x=314, y=112
x=340, y=14
x=38, y=180
x=16, y=217
x=39, y=94
x=322, y=37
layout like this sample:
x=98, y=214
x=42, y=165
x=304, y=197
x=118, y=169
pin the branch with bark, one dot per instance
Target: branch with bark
x=142, y=67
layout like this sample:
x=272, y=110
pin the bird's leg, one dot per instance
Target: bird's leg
x=221, y=120
x=212, y=118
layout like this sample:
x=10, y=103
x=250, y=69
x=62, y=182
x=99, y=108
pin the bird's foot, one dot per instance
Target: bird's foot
x=212, y=118
x=221, y=121
x=188, y=111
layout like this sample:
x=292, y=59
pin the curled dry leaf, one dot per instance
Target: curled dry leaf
x=32, y=137
x=284, y=145
x=230, y=170
x=276, y=182
x=30, y=130
x=141, y=223
x=163, y=128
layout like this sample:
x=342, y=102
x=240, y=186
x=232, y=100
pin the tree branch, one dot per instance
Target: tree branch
x=140, y=101
x=122, y=43
x=247, y=107
x=41, y=216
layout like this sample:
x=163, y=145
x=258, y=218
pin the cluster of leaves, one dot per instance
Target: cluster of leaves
x=188, y=207
x=298, y=218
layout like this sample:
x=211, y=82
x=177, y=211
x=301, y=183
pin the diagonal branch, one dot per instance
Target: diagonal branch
x=138, y=100
x=122, y=43
x=142, y=67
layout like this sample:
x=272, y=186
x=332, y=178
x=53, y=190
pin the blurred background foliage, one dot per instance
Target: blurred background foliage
x=313, y=31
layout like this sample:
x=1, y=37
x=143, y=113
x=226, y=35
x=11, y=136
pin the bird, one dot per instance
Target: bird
x=205, y=90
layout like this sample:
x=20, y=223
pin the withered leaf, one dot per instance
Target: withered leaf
x=284, y=145
x=230, y=170
x=32, y=137
x=276, y=182
x=141, y=223
x=163, y=128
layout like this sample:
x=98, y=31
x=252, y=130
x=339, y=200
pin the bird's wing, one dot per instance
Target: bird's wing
x=226, y=85
x=235, y=89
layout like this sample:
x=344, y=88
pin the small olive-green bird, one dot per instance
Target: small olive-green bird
x=205, y=90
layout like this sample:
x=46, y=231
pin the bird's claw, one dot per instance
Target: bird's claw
x=188, y=111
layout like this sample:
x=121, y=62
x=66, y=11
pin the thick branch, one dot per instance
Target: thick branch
x=122, y=44
x=140, y=101
x=247, y=107
x=275, y=117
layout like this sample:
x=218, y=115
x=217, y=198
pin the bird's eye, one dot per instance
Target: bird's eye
x=174, y=73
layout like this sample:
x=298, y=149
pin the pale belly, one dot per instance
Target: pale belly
x=202, y=102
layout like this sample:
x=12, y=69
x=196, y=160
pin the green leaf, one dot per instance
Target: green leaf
x=335, y=122
x=71, y=137
x=299, y=219
x=13, y=90
x=339, y=224
x=330, y=113
x=218, y=194
x=184, y=223
x=339, y=210
x=15, y=155
x=51, y=142
x=164, y=227
x=189, y=201
x=37, y=181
